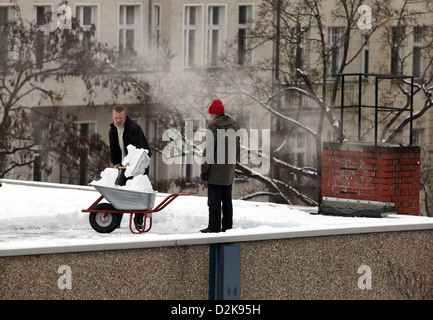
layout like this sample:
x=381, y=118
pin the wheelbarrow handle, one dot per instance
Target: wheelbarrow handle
x=169, y=199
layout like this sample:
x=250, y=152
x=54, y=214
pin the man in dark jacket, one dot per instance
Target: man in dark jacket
x=123, y=132
x=220, y=174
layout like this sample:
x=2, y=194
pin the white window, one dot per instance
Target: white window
x=192, y=36
x=84, y=129
x=87, y=16
x=417, y=52
x=244, y=27
x=215, y=34
x=129, y=31
x=334, y=43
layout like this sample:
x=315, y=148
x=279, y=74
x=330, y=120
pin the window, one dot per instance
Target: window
x=333, y=135
x=365, y=53
x=87, y=19
x=156, y=25
x=299, y=155
x=417, y=52
x=298, y=49
x=300, y=148
x=83, y=129
x=43, y=19
x=244, y=20
x=188, y=170
x=417, y=135
x=43, y=15
x=192, y=36
x=152, y=136
x=334, y=40
x=129, y=26
x=39, y=174
x=215, y=34
x=6, y=13
x=396, y=45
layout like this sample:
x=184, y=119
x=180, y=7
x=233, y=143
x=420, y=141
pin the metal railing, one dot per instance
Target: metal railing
x=376, y=106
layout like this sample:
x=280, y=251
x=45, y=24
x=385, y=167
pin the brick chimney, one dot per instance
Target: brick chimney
x=358, y=176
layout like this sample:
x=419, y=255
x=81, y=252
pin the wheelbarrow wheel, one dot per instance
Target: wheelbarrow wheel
x=103, y=222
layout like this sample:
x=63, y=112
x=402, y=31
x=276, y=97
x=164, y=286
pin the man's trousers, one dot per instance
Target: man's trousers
x=220, y=201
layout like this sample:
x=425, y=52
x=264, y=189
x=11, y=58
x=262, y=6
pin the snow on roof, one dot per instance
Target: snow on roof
x=40, y=218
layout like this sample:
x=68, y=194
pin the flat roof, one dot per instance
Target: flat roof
x=36, y=220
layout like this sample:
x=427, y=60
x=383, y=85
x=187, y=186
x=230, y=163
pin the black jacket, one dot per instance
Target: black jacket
x=132, y=134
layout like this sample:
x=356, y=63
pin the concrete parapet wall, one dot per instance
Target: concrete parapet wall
x=322, y=267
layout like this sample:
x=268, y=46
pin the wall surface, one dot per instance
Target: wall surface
x=353, y=266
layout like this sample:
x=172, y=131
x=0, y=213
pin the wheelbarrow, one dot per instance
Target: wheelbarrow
x=105, y=218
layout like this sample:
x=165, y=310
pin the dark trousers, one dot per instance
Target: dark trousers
x=218, y=195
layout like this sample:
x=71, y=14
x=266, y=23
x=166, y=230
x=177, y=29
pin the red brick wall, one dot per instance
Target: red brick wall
x=375, y=173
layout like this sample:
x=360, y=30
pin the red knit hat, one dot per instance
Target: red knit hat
x=216, y=107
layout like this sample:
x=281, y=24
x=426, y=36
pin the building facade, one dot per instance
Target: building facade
x=175, y=40
x=192, y=36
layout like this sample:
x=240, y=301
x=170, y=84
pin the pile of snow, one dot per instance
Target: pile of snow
x=136, y=162
x=139, y=183
x=108, y=178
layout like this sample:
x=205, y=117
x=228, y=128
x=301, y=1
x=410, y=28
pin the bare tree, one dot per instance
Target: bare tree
x=30, y=58
x=299, y=31
x=308, y=54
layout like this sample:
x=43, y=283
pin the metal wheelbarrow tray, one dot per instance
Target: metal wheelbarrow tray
x=105, y=218
x=124, y=199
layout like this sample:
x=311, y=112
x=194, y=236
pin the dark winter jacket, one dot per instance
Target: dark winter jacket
x=222, y=172
x=132, y=134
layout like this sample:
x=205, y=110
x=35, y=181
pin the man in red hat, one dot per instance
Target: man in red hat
x=220, y=174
